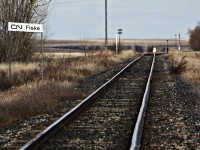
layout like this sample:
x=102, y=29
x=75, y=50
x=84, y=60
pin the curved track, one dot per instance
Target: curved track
x=104, y=120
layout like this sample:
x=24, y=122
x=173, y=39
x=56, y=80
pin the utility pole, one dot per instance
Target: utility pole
x=106, y=25
x=179, y=42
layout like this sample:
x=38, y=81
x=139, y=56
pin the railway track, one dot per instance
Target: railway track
x=108, y=118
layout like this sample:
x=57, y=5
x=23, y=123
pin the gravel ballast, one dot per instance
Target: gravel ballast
x=173, y=115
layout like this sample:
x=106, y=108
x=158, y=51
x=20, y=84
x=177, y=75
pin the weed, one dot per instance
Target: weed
x=192, y=72
x=179, y=67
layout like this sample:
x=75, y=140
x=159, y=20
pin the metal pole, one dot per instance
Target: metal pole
x=119, y=44
x=175, y=41
x=167, y=46
x=9, y=54
x=106, y=25
x=119, y=32
x=42, y=51
x=116, y=45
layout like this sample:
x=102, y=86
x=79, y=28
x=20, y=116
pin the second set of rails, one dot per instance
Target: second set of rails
x=110, y=118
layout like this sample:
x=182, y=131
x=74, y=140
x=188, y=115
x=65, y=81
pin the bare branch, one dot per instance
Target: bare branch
x=25, y=11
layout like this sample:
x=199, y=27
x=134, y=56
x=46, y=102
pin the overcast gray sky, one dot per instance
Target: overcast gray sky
x=139, y=19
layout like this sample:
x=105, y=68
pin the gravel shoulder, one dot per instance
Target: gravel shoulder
x=173, y=117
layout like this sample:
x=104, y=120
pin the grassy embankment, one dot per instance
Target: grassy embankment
x=192, y=71
x=27, y=95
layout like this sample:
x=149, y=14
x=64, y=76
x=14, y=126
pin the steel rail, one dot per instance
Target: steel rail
x=41, y=137
x=137, y=133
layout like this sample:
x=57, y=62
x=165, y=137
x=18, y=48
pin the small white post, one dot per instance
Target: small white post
x=179, y=43
x=116, y=45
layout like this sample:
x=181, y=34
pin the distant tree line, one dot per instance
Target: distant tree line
x=23, y=11
x=194, y=40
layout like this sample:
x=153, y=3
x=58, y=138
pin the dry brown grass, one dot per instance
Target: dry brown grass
x=16, y=66
x=66, y=55
x=192, y=72
x=34, y=98
x=27, y=95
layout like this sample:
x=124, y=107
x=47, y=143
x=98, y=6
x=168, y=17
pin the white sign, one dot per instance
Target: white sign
x=25, y=27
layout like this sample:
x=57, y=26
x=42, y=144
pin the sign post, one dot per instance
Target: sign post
x=119, y=32
x=9, y=54
x=42, y=50
x=25, y=27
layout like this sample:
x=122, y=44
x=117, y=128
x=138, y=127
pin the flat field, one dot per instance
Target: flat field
x=110, y=41
x=63, y=45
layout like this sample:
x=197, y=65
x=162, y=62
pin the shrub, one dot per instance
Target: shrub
x=195, y=38
x=179, y=67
